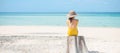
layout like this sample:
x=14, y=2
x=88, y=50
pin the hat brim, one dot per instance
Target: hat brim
x=70, y=15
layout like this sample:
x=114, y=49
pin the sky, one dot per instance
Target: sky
x=59, y=5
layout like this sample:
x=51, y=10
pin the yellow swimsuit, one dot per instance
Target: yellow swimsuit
x=72, y=31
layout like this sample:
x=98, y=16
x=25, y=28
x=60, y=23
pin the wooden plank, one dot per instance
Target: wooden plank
x=76, y=44
x=71, y=44
x=82, y=45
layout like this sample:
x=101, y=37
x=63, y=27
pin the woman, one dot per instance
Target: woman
x=72, y=24
x=72, y=29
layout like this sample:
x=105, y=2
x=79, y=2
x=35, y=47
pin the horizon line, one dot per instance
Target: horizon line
x=59, y=12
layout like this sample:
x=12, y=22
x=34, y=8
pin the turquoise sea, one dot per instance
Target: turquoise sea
x=58, y=19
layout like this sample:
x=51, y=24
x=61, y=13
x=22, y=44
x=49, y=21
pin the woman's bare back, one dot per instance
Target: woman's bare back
x=72, y=24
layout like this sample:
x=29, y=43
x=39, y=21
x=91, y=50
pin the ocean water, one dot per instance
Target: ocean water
x=59, y=19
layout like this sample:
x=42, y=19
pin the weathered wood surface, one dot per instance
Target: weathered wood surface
x=76, y=44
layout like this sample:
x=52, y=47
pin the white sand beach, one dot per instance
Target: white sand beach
x=98, y=39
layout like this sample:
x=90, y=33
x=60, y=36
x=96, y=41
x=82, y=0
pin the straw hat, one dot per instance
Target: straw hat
x=71, y=14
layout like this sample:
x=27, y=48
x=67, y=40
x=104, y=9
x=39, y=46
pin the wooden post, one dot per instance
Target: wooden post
x=82, y=45
x=76, y=44
x=72, y=44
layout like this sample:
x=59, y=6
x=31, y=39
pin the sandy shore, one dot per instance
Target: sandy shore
x=98, y=39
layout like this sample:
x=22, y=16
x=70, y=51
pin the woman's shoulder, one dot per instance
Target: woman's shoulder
x=67, y=21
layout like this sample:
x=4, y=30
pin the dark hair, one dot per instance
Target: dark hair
x=70, y=19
